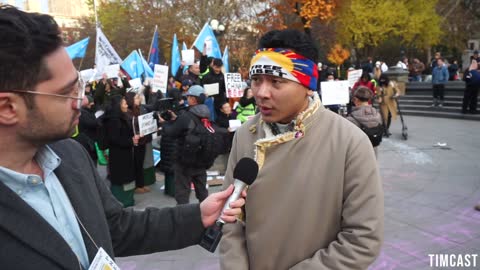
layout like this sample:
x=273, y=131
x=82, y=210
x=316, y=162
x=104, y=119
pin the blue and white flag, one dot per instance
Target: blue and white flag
x=184, y=46
x=154, y=56
x=146, y=67
x=175, y=56
x=78, y=50
x=206, y=36
x=225, y=60
x=133, y=65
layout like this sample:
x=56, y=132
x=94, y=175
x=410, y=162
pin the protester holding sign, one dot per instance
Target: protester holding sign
x=134, y=111
x=121, y=141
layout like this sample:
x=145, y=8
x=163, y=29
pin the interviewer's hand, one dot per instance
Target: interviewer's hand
x=212, y=206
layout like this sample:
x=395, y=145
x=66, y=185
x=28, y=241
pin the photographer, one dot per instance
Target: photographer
x=168, y=144
x=180, y=128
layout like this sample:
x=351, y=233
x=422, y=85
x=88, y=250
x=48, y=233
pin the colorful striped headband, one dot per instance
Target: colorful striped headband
x=286, y=64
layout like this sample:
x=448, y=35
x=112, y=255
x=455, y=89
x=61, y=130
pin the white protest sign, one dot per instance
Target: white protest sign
x=233, y=85
x=112, y=71
x=147, y=124
x=87, y=74
x=135, y=83
x=335, y=92
x=160, y=79
x=353, y=76
x=234, y=124
x=211, y=89
x=188, y=56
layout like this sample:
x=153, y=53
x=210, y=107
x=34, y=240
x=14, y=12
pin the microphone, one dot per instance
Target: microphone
x=245, y=173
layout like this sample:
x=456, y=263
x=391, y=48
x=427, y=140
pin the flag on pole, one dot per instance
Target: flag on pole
x=153, y=58
x=105, y=54
x=146, y=67
x=78, y=50
x=206, y=36
x=184, y=46
x=225, y=60
x=133, y=65
x=175, y=56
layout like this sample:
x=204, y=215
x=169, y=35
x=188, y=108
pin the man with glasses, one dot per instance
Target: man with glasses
x=55, y=211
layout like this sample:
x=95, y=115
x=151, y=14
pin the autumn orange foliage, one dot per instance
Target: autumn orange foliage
x=338, y=55
x=311, y=9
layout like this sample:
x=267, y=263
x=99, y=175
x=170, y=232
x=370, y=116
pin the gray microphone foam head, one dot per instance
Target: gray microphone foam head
x=246, y=170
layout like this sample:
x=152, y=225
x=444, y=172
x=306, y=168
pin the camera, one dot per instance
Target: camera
x=163, y=106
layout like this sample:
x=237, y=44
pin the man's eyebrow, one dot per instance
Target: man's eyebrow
x=70, y=84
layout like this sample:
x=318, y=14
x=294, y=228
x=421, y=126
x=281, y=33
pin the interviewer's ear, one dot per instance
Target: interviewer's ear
x=9, y=104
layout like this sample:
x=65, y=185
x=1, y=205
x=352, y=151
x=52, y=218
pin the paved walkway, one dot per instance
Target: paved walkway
x=430, y=192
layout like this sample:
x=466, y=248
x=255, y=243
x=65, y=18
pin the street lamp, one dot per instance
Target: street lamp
x=217, y=27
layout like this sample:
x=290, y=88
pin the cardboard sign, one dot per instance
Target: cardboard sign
x=160, y=79
x=188, y=56
x=233, y=85
x=234, y=124
x=353, y=76
x=335, y=92
x=112, y=71
x=147, y=124
x=88, y=74
x=211, y=89
x=135, y=83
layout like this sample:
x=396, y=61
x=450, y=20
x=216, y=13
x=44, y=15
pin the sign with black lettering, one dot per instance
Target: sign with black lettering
x=234, y=85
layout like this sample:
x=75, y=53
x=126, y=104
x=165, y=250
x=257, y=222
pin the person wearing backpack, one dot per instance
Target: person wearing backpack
x=189, y=166
x=365, y=116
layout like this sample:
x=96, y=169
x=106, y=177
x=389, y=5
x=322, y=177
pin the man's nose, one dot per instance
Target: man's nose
x=263, y=90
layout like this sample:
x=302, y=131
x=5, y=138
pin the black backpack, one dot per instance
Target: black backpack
x=102, y=137
x=374, y=133
x=202, y=144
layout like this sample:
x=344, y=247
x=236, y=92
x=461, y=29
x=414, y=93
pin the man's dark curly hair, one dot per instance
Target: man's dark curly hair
x=25, y=40
x=294, y=40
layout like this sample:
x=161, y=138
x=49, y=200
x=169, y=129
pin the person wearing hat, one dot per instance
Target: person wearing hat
x=317, y=202
x=179, y=127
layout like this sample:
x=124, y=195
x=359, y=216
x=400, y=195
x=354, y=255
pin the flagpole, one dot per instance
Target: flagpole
x=95, y=10
x=151, y=44
x=81, y=62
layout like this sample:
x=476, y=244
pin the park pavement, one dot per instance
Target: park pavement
x=431, y=183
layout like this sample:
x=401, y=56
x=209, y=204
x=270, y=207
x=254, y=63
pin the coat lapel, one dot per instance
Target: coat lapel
x=81, y=200
x=24, y=223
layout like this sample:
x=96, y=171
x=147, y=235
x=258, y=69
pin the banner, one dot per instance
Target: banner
x=206, y=36
x=147, y=124
x=335, y=92
x=160, y=79
x=78, y=50
x=175, y=56
x=105, y=54
x=233, y=85
x=135, y=83
x=353, y=76
x=133, y=65
x=225, y=60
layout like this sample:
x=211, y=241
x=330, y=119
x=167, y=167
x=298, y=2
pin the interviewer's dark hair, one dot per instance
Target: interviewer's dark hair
x=294, y=40
x=363, y=94
x=25, y=40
